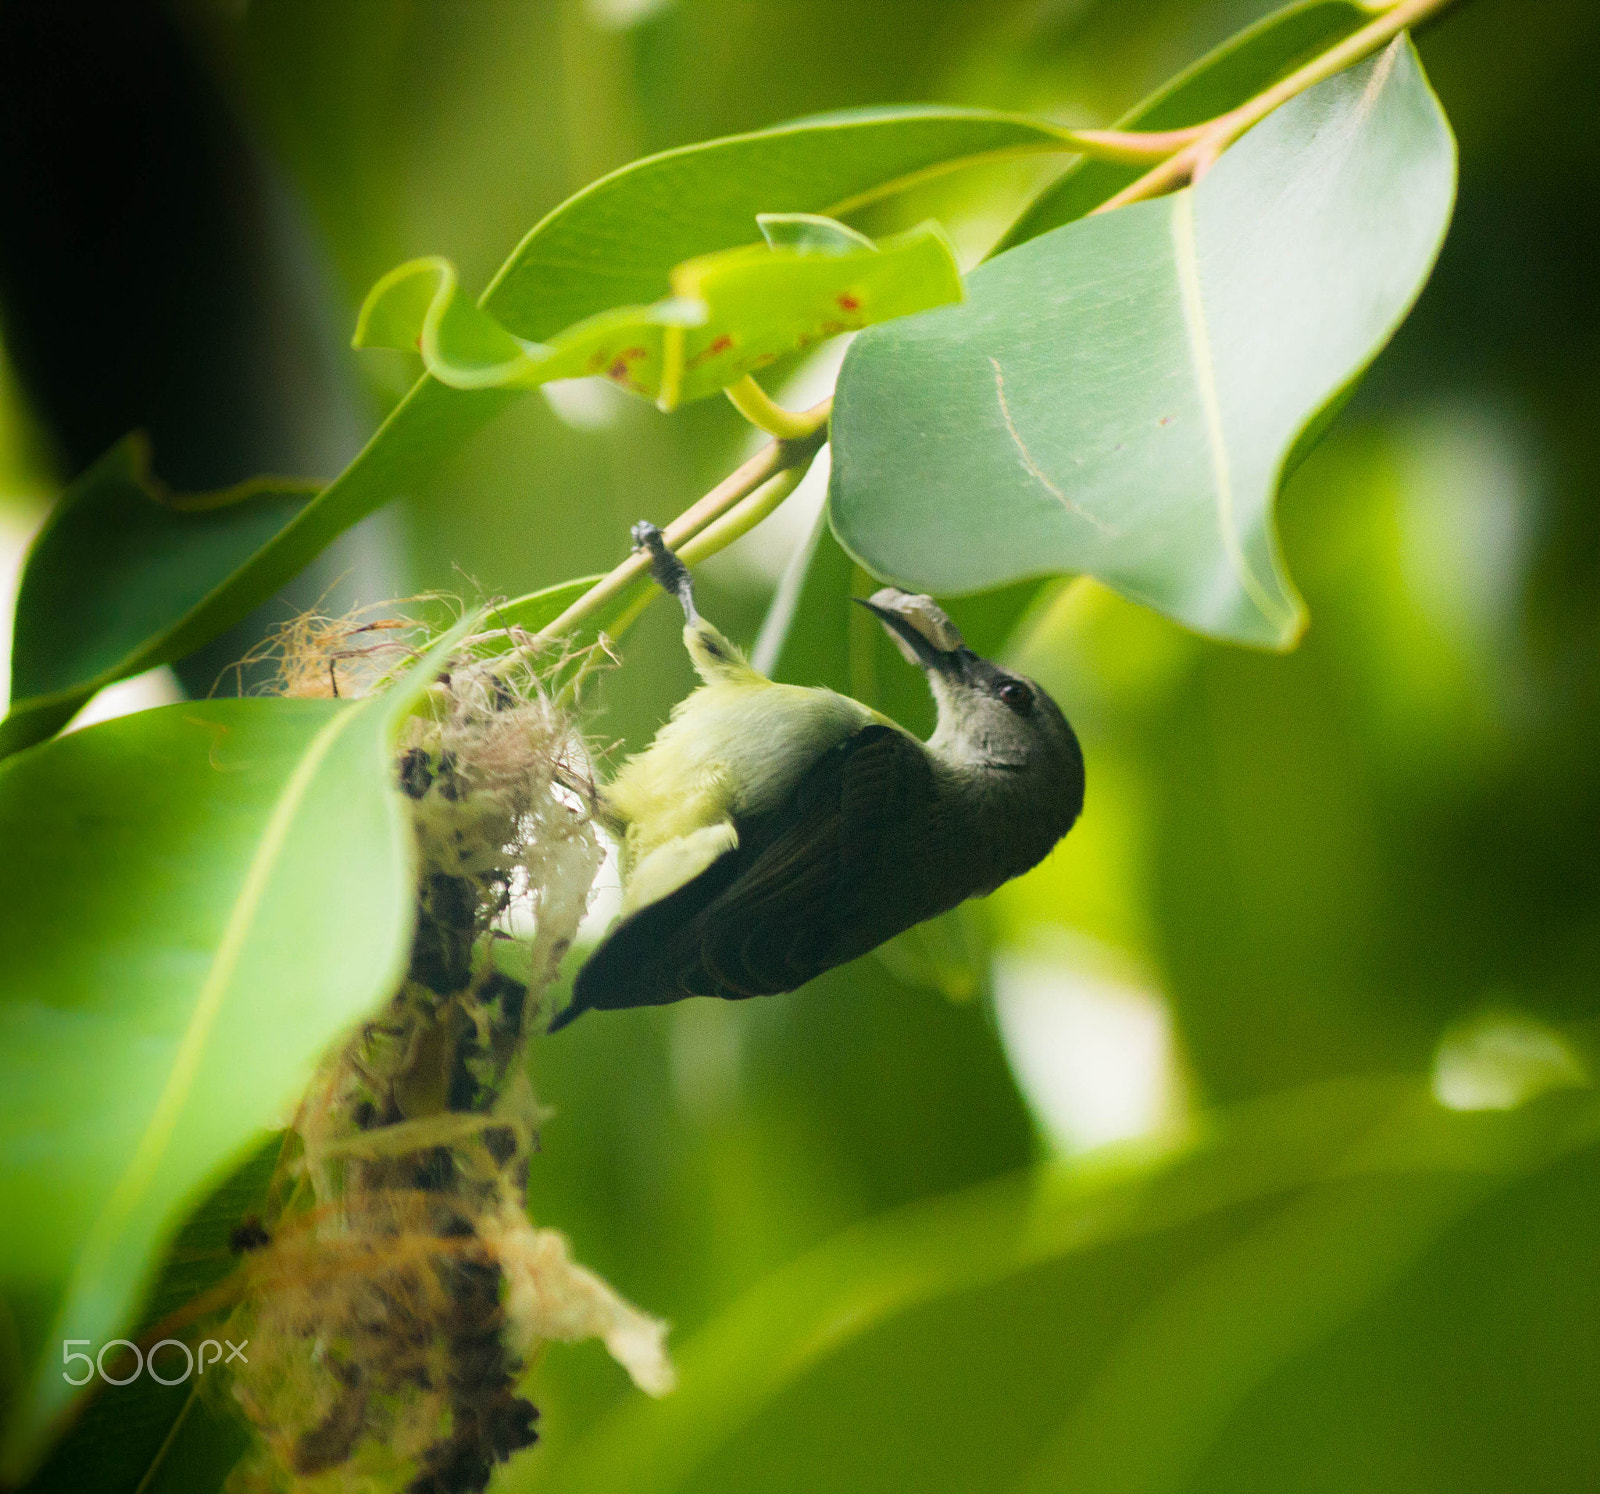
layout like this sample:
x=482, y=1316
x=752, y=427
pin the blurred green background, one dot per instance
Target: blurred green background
x=1374, y=857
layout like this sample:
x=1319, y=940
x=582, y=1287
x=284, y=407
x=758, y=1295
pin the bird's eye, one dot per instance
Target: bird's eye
x=1017, y=696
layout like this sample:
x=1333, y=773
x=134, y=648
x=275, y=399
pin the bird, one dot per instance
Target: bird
x=773, y=831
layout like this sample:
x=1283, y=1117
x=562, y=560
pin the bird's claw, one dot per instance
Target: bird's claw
x=670, y=573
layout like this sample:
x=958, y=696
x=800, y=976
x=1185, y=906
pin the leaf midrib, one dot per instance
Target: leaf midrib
x=1186, y=264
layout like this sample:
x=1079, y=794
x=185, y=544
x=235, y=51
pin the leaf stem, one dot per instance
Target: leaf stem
x=743, y=517
x=1197, y=149
x=780, y=457
x=739, y=520
x=1134, y=147
x=757, y=406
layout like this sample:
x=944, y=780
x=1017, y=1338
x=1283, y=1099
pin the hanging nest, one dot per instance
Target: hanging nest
x=395, y=1291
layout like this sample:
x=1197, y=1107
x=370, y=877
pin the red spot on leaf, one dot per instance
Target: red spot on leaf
x=711, y=350
x=847, y=302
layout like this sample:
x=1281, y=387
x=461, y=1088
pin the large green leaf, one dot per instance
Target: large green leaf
x=128, y=1434
x=196, y=902
x=730, y=313
x=1220, y=81
x=1122, y=396
x=123, y=577
x=1236, y=71
x=615, y=243
x=1225, y=78
x=974, y=1335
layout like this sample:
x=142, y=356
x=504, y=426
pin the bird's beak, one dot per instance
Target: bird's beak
x=920, y=629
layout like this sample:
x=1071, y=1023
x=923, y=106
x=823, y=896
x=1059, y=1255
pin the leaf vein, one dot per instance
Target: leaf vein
x=1026, y=457
x=1186, y=261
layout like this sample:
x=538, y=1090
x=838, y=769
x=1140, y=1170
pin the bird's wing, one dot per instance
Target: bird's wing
x=827, y=876
x=678, y=861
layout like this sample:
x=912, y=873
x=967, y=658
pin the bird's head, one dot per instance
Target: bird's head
x=988, y=717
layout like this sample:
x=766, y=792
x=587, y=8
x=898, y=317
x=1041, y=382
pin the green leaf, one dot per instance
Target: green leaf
x=765, y=301
x=972, y=1333
x=810, y=231
x=114, y=567
x=615, y=243
x=805, y=636
x=196, y=902
x=129, y=1433
x=1222, y=80
x=729, y=314
x=538, y=608
x=1123, y=396
x=415, y=308
x=123, y=577
x=120, y=581
x=1225, y=78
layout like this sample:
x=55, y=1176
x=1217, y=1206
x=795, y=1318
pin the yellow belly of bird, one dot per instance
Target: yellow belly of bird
x=735, y=747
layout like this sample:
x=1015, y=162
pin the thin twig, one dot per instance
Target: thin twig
x=1200, y=147
x=1135, y=147
x=759, y=408
x=767, y=463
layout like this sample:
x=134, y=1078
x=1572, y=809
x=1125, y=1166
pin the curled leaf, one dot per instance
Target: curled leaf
x=730, y=313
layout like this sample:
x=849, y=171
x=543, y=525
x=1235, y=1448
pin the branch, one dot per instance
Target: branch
x=1196, y=149
x=775, y=460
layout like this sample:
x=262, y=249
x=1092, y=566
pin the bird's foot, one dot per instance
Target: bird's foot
x=670, y=573
x=646, y=536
